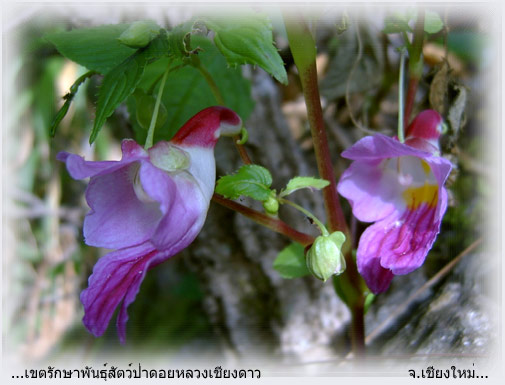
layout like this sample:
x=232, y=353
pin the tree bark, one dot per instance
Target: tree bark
x=253, y=309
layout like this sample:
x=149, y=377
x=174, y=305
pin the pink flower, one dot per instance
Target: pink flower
x=147, y=206
x=400, y=187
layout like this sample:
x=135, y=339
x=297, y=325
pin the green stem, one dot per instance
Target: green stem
x=274, y=224
x=150, y=132
x=319, y=224
x=401, y=136
x=210, y=81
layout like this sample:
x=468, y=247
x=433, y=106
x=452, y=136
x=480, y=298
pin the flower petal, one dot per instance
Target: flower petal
x=372, y=194
x=378, y=146
x=182, y=203
x=398, y=244
x=78, y=168
x=116, y=276
x=118, y=218
x=376, y=277
x=405, y=243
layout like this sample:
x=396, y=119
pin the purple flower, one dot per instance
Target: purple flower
x=400, y=187
x=147, y=206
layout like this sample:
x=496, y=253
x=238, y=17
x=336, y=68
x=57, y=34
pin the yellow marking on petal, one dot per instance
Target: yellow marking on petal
x=415, y=196
x=426, y=167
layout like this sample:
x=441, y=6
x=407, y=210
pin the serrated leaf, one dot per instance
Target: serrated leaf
x=117, y=85
x=290, y=262
x=248, y=39
x=300, y=182
x=158, y=47
x=68, y=100
x=96, y=48
x=187, y=92
x=251, y=180
x=432, y=22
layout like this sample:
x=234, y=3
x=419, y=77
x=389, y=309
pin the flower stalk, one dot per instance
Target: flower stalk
x=314, y=219
x=150, y=132
x=401, y=131
x=273, y=224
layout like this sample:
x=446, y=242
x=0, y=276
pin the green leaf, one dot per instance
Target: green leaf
x=116, y=86
x=251, y=180
x=300, y=182
x=432, y=22
x=68, y=100
x=290, y=262
x=397, y=23
x=158, y=48
x=368, y=301
x=96, y=48
x=248, y=39
x=186, y=91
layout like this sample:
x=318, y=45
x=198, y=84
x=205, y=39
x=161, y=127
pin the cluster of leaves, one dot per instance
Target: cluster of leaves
x=255, y=182
x=133, y=57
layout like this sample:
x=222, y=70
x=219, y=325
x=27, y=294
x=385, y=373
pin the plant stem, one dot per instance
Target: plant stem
x=304, y=54
x=274, y=224
x=415, y=65
x=319, y=224
x=401, y=135
x=152, y=125
x=220, y=100
x=303, y=49
x=358, y=327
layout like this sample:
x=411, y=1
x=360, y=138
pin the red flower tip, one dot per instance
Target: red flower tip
x=204, y=129
x=426, y=125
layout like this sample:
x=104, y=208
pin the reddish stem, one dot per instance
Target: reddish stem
x=410, y=98
x=241, y=150
x=274, y=224
x=334, y=213
x=304, y=54
x=358, y=327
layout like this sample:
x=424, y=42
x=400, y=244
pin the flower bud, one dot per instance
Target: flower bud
x=139, y=34
x=271, y=205
x=324, y=258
